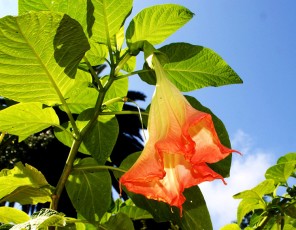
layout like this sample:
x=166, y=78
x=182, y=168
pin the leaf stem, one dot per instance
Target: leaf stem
x=93, y=73
x=97, y=168
x=2, y=137
x=133, y=73
x=124, y=113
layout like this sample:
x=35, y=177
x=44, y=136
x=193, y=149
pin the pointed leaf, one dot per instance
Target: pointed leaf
x=99, y=141
x=25, y=119
x=231, y=227
x=39, y=55
x=284, y=168
x=109, y=17
x=156, y=23
x=191, y=67
x=24, y=184
x=12, y=215
x=90, y=192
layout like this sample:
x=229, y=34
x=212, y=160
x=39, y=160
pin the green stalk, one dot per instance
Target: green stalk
x=76, y=143
x=133, y=73
x=97, y=168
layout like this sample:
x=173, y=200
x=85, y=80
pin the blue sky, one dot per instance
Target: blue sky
x=258, y=40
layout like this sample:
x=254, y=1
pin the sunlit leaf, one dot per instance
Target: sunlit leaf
x=39, y=55
x=156, y=23
x=24, y=184
x=191, y=67
x=246, y=206
x=89, y=191
x=109, y=17
x=284, y=168
x=25, y=119
x=231, y=227
x=12, y=215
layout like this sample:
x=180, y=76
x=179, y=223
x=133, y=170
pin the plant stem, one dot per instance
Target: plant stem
x=124, y=113
x=133, y=73
x=97, y=168
x=2, y=137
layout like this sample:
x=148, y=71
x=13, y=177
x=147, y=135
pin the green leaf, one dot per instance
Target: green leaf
x=25, y=119
x=39, y=55
x=118, y=89
x=195, y=212
x=284, y=168
x=263, y=188
x=82, y=10
x=246, y=206
x=24, y=184
x=119, y=221
x=99, y=141
x=156, y=23
x=43, y=219
x=231, y=227
x=109, y=16
x=222, y=167
x=12, y=215
x=192, y=67
x=83, y=95
x=90, y=192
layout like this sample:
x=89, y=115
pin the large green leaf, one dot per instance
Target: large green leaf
x=82, y=11
x=155, y=24
x=24, y=184
x=12, y=215
x=109, y=16
x=90, y=192
x=285, y=167
x=39, y=55
x=195, y=212
x=24, y=119
x=192, y=67
x=99, y=141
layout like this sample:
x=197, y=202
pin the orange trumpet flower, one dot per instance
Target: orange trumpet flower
x=182, y=140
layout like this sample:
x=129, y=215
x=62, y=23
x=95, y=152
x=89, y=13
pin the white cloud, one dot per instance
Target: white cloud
x=246, y=172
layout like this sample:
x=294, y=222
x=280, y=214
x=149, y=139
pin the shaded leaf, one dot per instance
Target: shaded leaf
x=24, y=184
x=192, y=67
x=12, y=215
x=39, y=55
x=119, y=221
x=118, y=89
x=99, y=141
x=25, y=119
x=156, y=23
x=90, y=192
